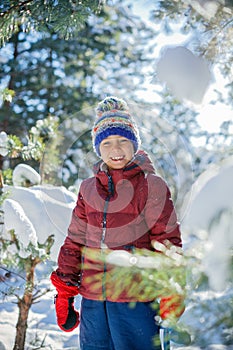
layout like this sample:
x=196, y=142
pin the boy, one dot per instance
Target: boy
x=124, y=206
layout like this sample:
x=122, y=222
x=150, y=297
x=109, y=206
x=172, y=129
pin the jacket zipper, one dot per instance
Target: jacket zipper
x=103, y=246
x=104, y=222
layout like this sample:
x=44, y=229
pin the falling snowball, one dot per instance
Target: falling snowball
x=185, y=74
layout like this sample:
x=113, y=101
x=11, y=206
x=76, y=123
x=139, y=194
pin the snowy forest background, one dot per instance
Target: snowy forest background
x=58, y=59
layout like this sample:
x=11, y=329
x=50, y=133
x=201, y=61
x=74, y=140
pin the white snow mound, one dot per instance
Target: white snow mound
x=23, y=173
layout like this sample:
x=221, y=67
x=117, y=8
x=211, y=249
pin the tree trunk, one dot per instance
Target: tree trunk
x=21, y=328
x=24, y=305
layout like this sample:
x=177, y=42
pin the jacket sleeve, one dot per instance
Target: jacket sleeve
x=69, y=258
x=160, y=213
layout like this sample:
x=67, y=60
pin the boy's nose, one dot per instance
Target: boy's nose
x=114, y=143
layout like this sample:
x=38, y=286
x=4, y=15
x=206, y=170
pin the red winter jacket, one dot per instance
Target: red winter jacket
x=119, y=209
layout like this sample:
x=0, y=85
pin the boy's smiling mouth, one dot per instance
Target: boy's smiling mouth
x=118, y=158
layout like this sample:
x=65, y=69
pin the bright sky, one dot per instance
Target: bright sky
x=212, y=116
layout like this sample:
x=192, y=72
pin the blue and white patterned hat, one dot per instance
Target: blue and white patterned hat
x=113, y=118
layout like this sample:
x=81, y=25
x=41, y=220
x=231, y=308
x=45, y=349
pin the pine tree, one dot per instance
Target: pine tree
x=14, y=254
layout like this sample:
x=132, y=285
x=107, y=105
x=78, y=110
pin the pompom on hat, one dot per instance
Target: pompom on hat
x=113, y=118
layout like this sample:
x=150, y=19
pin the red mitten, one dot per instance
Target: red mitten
x=67, y=316
x=171, y=307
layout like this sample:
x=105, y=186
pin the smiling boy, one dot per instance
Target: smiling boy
x=124, y=206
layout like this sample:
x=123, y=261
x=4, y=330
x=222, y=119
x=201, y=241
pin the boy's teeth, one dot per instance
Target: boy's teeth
x=116, y=158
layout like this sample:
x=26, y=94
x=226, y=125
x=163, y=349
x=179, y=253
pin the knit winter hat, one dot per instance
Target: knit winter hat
x=113, y=118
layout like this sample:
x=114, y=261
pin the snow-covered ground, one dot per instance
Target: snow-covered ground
x=48, y=209
x=44, y=333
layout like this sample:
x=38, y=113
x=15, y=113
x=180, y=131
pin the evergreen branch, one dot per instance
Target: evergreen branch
x=61, y=17
x=15, y=7
x=215, y=36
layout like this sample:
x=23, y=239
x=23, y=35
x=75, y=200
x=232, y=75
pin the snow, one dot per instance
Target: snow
x=3, y=143
x=209, y=217
x=47, y=209
x=218, y=258
x=42, y=321
x=211, y=192
x=23, y=228
x=206, y=8
x=38, y=211
x=34, y=213
x=24, y=172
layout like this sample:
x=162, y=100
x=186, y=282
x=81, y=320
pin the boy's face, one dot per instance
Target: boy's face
x=116, y=151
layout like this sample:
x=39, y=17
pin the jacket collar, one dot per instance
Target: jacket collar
x=141, y=163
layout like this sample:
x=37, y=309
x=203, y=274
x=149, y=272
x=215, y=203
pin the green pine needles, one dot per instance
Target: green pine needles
x=61, y=16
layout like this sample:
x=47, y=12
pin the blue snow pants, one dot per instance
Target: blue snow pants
x=109, y=325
